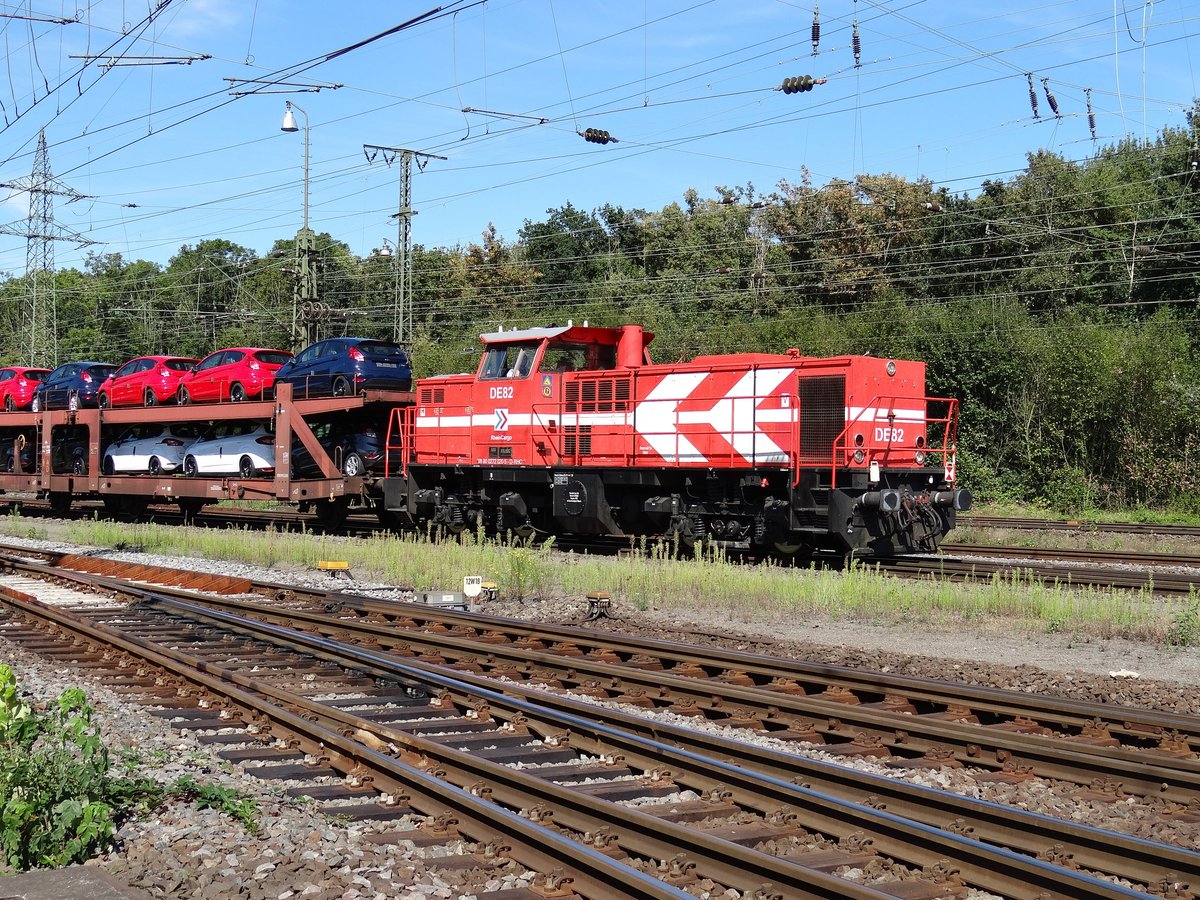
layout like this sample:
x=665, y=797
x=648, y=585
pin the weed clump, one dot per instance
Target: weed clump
x=58, y=802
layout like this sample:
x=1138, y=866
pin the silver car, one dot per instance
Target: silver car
x=245, y=448
x=150, y=447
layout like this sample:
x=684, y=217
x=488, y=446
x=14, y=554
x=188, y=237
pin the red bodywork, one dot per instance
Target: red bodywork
x=582, y=396
x=17, y=384
x=214, y=377
x=135, y=382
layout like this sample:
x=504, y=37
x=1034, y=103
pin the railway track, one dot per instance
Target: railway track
x=1077, y=568
x=1151, y=577
x=1108, y=557
x=846, y=709
x=500, y=711
x=1022, y=524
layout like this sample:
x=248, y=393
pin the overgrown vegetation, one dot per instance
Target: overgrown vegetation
x=59, y=801
x=653, y=575
x=1058, y=305
x=233, y=803
x=60, y=798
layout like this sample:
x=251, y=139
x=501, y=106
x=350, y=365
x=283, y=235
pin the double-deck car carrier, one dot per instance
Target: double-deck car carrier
x=57, y=454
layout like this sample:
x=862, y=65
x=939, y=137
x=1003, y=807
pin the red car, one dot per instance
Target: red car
x=17, y=384
x=145, y=381
x=236, y=373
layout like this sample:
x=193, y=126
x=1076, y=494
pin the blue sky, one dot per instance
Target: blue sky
x=166, y=157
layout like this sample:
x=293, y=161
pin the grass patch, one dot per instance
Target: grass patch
x=655, y=578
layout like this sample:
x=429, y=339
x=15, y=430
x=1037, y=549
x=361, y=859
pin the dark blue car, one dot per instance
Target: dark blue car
x=338, y=367
x=71, y=386
x=357, y=447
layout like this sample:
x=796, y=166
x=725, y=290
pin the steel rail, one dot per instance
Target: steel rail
x=456, y=771
x=541, y=849
x=901, y=734
x=1136, y=723
x=765, y=671
x=1064, y=575
x=1143, y=861
x=1021, y=524
x=1116, y=557
x=995, y=869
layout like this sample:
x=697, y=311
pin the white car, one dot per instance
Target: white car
x=232, y=448
x=150, y=447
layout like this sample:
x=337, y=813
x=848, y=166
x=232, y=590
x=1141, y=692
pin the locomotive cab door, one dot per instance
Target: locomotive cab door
x=504, y=396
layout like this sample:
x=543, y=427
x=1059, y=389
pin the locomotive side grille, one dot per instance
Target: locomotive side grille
x=577, y=439
x=822, y=416
x=431, y=395
x=598, y=395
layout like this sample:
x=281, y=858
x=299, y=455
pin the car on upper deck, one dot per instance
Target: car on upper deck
x=339, y=367
x=72, y=385
x=17, y=384
x=232, y=374
x=145, y=381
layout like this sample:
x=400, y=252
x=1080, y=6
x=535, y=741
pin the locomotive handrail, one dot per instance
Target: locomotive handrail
x=949, y=438
x=403, y=418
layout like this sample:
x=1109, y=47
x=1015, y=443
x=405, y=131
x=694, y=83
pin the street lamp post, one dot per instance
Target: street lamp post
x=289, y=125
x=305, y=293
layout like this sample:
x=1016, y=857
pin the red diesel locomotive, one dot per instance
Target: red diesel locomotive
x=573, y=430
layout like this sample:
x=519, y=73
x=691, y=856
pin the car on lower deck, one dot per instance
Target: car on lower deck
x=145, y=381
x=233, y=374
x=17, y=384
x=72, y=385
x=357, y=448
x=69, y=447
x=339, y=367
x=150, y=447
x=245, y=448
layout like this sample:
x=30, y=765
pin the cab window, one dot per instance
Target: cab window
x=508, y=361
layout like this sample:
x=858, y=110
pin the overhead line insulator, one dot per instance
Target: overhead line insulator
x=597, y=136
x=856, y=41
x=799, y=84
x=1032, y=96
x=816, y=29
x=1050, y=98
x=1090, y=113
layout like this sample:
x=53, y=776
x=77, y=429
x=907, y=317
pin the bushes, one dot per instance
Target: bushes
x=58, y=803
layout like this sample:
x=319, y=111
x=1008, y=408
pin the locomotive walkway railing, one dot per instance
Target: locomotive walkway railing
x=890, y=424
